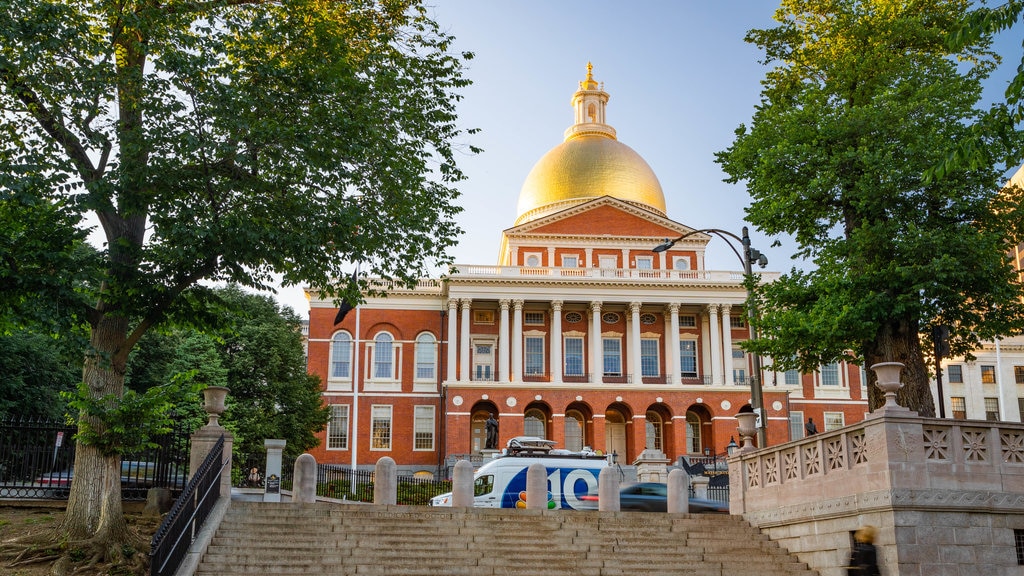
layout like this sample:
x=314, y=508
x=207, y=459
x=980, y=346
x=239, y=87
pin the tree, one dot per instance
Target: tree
x=223, y=141
x=36, y=369
x=863, y=99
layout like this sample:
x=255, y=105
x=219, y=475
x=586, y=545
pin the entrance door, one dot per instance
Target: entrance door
x=615, y=434
x=478, y=431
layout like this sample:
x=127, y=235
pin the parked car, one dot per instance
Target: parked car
x=134, y=474
x=653, y=497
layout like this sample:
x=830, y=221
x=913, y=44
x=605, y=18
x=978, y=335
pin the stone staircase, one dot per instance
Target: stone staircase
x=352, y=539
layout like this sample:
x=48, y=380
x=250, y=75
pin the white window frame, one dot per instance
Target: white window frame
x=687, y=320
x=684, y=343
x=426, y=359
x=423, y=429
x=796, y=424
x=478, y=364
x=791, y=377
x=339, y=419
x=681, y=263
x=833, y=421
x=614, y=355
x=392, y=381
x=528, y=256
x=644, y=263
x=528, y=354
x=567, y=355
x=335, y=383
x=534, y=317
x=570, y=261
x=646, y=358
x=381, y=419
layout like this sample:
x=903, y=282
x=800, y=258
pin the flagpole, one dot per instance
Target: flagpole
x=355, y=397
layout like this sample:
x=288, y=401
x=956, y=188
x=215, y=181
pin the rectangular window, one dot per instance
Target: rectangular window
x=796, y=425
x=533, y=318
x=383, y=359
x=612, y=356
x=830, y=374
x=423, y=428
x=739, y=376
x=337, y=428
x=991, y=408
x=687, y=321
x=955, y=373
x=1018, y=544
x=644, y=263
x=958, y=407
x=425, y=359
x=834, y=420
x=737, y=321
x=792, y=377
x=483, y=362
x=988, y=374
x=649, y=357
x=1018, y=374
x=534, y=356
x=573, y=356
x=380, y=427
x=688, y=358
x=570, y=262
x=1020, y=408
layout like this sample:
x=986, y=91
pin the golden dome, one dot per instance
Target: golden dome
x=590, y=163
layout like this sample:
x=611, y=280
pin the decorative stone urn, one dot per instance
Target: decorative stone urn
x=747, y=428
x=888, y=381
x=214, y=403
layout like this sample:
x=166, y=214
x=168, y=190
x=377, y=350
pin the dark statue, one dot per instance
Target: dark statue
x=492, y=433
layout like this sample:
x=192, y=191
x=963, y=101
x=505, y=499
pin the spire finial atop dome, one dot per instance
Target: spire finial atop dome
x=589, y=83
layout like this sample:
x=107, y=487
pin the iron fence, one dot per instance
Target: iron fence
x=345, y=484
x=176, y=533
x=37, y=461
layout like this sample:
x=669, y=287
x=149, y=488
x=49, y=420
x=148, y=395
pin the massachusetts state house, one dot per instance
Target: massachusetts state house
x=580, y=333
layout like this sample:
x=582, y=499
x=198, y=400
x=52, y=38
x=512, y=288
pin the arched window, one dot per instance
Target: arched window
x=533, y=423
x=655, y=429
x=341, y=355
x=426, y=357
x=574, y=430
x=693, y=441
x=383, y=357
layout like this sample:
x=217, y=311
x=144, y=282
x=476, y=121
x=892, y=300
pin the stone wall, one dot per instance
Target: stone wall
x=946, y=495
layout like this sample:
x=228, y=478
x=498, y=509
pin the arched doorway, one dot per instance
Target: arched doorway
x=698, y=430
x=478, y=426
x=577, y=433
x=535, y=420
x=615, y=419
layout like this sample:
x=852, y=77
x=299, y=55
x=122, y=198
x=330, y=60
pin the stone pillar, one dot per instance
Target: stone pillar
x=730, y=380
x=503, y=341
x=453, y=340
x=555, y=363
x=700, y=486
x=462, y=485
x=678, y=492
x=651, y=466
x=672, y=351
x=204, y=439
x=716, y=344
x=596, y=363
x=304, y=479
x=536, y=487
x=272, y=478
x=634, y=343
x=517, y=341
x=385, y=481
x=608, y=490
x=465, y=375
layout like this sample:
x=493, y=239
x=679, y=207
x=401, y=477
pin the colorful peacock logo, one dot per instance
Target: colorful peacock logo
x=521, y=503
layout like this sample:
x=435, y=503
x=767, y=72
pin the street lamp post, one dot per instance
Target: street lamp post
x=747, y=258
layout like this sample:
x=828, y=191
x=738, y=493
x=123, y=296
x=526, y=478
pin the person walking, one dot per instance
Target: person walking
x=863, y=556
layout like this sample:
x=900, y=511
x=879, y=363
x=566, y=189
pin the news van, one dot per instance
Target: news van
x=501, y=481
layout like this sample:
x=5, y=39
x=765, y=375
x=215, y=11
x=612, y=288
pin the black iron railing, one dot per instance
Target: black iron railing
x=177, y=532
x=334, y=481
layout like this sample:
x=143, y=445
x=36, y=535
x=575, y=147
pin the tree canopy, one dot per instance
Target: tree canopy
x=224, y=141
x=863, y=97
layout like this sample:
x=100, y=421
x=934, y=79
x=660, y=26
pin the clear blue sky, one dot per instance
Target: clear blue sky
x=680, y=79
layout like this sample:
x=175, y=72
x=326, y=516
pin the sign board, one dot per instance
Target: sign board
x=757, y=423
x=60, y=438
x=273, y=484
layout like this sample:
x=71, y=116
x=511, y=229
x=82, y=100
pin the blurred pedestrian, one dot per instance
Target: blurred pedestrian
x=863, y=556
x=810, y=427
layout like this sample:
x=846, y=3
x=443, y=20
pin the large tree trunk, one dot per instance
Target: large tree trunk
x=94, y=505
x=898, y=341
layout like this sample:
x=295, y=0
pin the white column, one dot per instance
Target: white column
x=517, y=341
x=672, y=352
x=596, y=364
x=555, y=356
x=589, y=256
x=464, y=373
x=503, y=341
x=727, y=345
x=453, y=339
x=551, y=257
x=716, y=344
x=634, y=343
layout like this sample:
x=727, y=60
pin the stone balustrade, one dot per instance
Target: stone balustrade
x=945, y=494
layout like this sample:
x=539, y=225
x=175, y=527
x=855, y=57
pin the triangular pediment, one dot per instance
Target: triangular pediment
x=603, y=217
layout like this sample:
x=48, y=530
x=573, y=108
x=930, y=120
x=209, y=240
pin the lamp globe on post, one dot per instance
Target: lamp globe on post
x=731, y=446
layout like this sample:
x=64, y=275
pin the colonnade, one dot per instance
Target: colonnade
x=714, y=320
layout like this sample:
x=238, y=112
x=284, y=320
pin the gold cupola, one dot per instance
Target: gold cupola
x=590, y=163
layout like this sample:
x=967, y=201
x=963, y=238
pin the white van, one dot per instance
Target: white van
x=501, y=482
